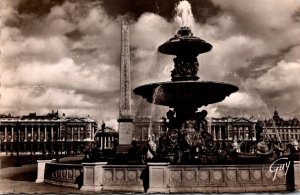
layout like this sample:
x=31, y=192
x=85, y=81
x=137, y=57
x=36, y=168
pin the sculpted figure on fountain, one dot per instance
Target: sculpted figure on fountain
x=185, y=68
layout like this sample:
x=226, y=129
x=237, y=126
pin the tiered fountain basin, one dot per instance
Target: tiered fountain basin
x=185, y=44
x=187, y=93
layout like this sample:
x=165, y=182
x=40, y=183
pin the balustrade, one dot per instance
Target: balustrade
x=64, y=174
x=166, y=178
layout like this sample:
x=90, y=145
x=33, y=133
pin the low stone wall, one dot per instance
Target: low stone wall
x=70, y=175
x=124, y=178
x=166, y=178
x=229, y=178
x=297, y=176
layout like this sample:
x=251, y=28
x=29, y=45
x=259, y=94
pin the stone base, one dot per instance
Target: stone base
x=125, y=128
x=158, y=190
x=39, y=181
x=61, y=183
x=123, y=188
x=91, y=188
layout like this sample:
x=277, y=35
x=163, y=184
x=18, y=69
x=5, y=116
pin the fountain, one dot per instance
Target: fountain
x=186, y=144
x=185, y=94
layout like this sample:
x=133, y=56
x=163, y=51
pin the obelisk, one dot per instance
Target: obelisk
x=125, y=118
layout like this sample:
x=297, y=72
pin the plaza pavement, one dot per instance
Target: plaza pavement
x=18, y=180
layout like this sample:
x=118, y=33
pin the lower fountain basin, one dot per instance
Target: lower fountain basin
x=185, y=93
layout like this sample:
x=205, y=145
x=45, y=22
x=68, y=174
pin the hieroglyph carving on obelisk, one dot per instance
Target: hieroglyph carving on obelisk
x=125, y=107
x=125, y=118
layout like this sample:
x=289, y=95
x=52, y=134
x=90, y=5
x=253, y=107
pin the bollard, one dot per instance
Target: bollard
x=41, y=170
x=158, y=178
x=92, y=176
x=297, y=175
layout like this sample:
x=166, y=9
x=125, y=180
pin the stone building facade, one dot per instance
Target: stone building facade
x=228, y=128
x=285, y=131
x=46, y=134
x=144, y=126
x=106, y=138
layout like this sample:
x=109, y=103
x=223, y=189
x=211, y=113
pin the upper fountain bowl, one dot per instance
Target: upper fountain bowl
x=184, y=43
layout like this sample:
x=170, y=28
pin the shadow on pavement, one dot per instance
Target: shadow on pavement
x=24, y=175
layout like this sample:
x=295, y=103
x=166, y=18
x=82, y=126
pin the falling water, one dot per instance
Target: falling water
x=162, y=66
x=153, y=113
x=184, y=15
x=268, y=112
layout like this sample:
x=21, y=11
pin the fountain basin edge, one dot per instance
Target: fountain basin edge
x=185, y=93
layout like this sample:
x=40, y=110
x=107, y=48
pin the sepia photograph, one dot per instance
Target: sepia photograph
x=149, y=96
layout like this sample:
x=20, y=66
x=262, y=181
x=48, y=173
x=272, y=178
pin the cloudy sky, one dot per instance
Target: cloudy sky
x=65, y=54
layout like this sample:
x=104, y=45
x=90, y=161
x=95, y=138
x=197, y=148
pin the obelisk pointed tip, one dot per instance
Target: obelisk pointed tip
x=124, y=21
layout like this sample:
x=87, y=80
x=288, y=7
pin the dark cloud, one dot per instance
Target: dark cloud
x=40, y=8
x=65, y=54
x=135, y=8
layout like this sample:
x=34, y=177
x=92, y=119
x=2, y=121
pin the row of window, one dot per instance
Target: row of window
x=286, y=130
x=33, y=135
x=231, y=129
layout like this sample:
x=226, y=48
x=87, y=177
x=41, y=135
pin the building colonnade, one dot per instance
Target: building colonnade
x=34, y=135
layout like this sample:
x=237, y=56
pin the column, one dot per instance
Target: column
x=32, y=133
x=239, y=132
x=58, y=134
x=214, y=132
x=19, y=134
x=220, y=133
x=227, y=129
x=91, y=131
x=108, y=141
x=5, y=133
x=26, y=135
x=101, y=141
x=39, y=133
x=105, y=142
x=78, y=133
x=72, y=133
x=12, y=134
x=45, y=134
x=52, y=133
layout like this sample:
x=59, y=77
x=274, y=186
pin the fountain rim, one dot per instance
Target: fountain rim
x=186, y=81
x=195, y=45
x=196, y=100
